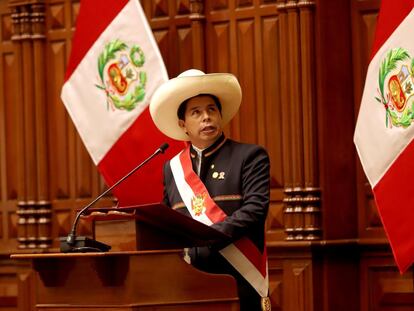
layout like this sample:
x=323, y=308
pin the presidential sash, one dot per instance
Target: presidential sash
x=243, y=254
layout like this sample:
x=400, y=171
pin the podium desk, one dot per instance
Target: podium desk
x=133, y=280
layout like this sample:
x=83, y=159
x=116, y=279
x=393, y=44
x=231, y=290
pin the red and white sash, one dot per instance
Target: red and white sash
x=243, y=255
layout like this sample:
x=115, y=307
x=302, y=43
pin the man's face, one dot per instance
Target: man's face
x=203, y=122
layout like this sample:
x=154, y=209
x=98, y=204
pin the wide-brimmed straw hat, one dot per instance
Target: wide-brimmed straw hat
x=170, y=95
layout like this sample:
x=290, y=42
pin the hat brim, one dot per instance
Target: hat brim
x=170, y=95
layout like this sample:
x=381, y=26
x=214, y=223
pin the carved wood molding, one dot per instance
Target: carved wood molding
x=28, y=19
x=33, y=209
x=281, y=5
x=302, y=214
x=305, y=3
x=197, y=10
x=302, y=211
x=34, y=224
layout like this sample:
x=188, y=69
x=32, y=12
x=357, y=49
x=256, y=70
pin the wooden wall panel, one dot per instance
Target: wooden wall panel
x=382, y=286
x=218, y=5
x=11, y=124
x=297, y=285
x=364, y=15
x=276, y=283
x=11, y=224
x=8, y=117
x=9, y=153
x=295, y=116
x=171, y=26
x=273, y=113
x=335, y=113
x=86, y=185
x=185, y=46
x=245, y=125
x=218, y=60
x=60, y=164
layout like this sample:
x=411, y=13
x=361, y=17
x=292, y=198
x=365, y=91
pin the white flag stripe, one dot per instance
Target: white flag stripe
x=245, y=267
x=99, y=126
x=185, y=190
x=377, y=145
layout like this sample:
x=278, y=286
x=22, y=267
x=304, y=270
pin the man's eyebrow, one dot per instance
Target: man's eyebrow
x=195, y=107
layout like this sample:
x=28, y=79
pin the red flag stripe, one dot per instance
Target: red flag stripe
x=92, y=12
x=395, y=202
x=391, y=15
x=134, y=146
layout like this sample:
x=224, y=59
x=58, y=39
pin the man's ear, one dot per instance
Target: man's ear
x=181, y=123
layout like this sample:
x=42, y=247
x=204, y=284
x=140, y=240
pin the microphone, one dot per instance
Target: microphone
x=73, y=243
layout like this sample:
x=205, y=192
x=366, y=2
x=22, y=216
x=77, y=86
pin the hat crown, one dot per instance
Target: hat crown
x=191, y=73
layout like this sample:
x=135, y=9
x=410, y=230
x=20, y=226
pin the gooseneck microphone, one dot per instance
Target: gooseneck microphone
x=73, y=243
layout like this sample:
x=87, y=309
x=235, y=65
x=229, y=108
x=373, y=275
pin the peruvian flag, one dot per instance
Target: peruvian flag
x=114, y=68
x=385, y=127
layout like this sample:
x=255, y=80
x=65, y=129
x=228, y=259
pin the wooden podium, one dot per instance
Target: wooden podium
x=156, y=278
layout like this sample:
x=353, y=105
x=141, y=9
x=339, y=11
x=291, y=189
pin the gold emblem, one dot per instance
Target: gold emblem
x=198, y=204
x=221, y=175
x=215, y=175
x=266, y=305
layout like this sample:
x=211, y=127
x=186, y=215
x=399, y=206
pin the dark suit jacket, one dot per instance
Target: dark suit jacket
x=237, y=178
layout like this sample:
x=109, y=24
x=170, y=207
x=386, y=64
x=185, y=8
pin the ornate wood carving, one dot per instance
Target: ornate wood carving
x=33, y=207
x=302, y=195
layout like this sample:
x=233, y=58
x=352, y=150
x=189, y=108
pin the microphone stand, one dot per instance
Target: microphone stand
x=73, y=243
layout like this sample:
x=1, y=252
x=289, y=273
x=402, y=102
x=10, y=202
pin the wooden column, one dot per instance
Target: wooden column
x=33, y=206
x=311, y=191
x=43, y=206
x=17, y=17
x=302, y=194
x=284, y=89
x=197, y=18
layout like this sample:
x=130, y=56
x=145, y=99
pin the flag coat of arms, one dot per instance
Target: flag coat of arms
x=385, y=127
x=114, y=68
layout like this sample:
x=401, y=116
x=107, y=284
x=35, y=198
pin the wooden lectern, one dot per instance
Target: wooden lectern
x=153, y=276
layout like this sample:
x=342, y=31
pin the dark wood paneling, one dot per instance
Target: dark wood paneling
x=11, y=126
x=172, y=33
x=336, y=119
x=246, y=129
x=382, y=286
x=60, y=164
x=276, y=283
x=297, y=284
x=272, y=99
x=364, y=16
